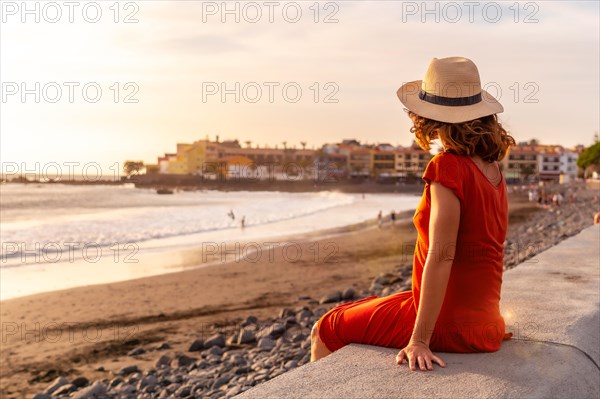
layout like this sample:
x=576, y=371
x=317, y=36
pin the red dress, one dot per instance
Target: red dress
x=470, y=319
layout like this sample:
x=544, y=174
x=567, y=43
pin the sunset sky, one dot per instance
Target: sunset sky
x=177, y=49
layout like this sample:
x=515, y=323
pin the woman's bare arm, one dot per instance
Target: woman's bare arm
x=443, y=230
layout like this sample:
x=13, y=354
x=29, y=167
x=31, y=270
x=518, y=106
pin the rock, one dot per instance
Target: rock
x=220, y=382
x=148, y=381
x=126, y=389
x=387, y=291
x=96, y=390
x=234, y=391
x=80, y=382
x=375, y=287
x=290, y=321
x=215, y=340
x=100, y=368
x=287, y=312
x=183, y=361
x=331, y=298
x=163, y=346
x=65, y=389
x=232, y=340
x=136, y=351
x=215, y=350
x=128, y=370
x=196, y=346
x=57, y=383
x=164, y=360
x=246, y=336
x=348, y=294
x=41, y=396
x=116, y=381
x=275, y=330
x=320, y=311
x=266, y=344
x=251, y=320
x=304, y=314
x=183, y=392
x=387, y=279
x=290, y=364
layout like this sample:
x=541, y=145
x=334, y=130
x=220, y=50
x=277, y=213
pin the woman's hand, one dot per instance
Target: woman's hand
x=418, y=352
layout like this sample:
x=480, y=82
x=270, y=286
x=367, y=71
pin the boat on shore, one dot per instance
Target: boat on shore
x=164, y=191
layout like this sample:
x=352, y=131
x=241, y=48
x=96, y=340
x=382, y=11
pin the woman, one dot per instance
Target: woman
x=454, y=304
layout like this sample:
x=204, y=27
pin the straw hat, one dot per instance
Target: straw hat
x=450, y=92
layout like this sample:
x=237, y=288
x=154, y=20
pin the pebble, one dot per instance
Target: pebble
x=128, y=370
x=215, y=340
x=196, y=346
x=331, y=298
x=183, y=360
x=65, y=389
x=246, y=336
x=164, y=360
x=136, y=351
x=266, y=344
x=95, y=390
x=57, y=383
x=348, y=294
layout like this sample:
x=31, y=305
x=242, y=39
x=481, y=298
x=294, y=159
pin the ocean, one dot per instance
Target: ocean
x=58, y=236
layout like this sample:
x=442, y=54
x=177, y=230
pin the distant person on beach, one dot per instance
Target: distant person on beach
x=463, y=211
x=243, y=222
x=231, y=214
x=379, y=219
x=393, y=217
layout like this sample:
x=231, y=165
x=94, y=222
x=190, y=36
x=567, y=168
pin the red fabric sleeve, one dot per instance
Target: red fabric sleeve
x=445, y=169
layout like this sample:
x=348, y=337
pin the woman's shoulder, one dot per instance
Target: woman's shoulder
x=447, y=156
x=447, y=160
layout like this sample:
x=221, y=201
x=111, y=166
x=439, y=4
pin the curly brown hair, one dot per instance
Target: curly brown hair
x=484, y=136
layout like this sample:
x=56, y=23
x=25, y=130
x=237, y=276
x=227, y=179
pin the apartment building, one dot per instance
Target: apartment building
x=526, y=161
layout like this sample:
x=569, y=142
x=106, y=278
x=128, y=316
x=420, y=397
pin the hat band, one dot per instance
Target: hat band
x=449, y=101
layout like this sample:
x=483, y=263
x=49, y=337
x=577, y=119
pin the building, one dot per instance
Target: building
x=410, y=163
x=533, y=161
x=225, y=159
x=520, y=163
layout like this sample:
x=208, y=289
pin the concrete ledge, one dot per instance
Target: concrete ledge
x=551, y=305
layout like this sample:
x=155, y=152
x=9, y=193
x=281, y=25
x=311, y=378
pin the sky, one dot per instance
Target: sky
x=128, y=80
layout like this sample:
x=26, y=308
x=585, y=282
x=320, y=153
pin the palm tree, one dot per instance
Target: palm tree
x=284, y=145
x=248, y=142
x=303, y=144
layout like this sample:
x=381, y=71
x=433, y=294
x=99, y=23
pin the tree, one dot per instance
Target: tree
x=589, y=157
x=132, y=167
x=303, y=144
x=526, y=170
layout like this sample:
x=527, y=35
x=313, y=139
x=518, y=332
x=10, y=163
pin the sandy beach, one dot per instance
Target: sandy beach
x=89, y=331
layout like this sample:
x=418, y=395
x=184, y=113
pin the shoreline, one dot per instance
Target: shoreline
x=101, y=328
x=155, y=257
